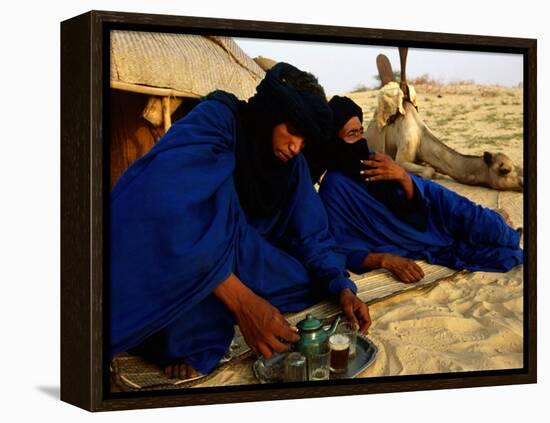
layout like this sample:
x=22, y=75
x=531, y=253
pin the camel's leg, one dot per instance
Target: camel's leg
x=423, y=171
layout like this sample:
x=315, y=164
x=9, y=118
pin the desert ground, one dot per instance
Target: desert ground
x=473, y=321
x=469, y=118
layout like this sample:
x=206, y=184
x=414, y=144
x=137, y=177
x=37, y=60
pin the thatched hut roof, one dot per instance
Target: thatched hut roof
x=181, y=65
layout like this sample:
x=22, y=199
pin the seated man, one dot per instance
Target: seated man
x=383, y=217
x=219, y=224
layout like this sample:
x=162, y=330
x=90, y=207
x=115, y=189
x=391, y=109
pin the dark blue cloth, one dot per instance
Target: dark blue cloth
x=460, y=234
x=178, y=230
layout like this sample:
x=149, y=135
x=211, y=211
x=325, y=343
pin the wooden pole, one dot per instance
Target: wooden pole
x=143, y=89
x=403, y=59
x=166, y=113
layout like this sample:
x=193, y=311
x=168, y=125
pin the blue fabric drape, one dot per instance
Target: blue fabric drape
x=460, y=233
x=178, y=230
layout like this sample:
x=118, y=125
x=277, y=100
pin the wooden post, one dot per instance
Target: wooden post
x=166, y=113
x=403, y=59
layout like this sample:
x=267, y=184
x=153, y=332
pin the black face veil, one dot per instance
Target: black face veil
x=346, y=158
x=336, y=154
x=341, y=155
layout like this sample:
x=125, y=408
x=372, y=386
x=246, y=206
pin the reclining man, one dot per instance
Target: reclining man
x=383, y=217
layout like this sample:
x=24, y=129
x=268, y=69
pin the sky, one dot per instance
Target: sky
x=340, y=68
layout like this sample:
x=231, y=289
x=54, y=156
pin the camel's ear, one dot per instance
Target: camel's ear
x=412, y=95
x=488, y=158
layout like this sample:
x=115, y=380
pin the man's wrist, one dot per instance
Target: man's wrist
x=340, y=284
x=407, y=184
x=383, y=260
x=346, y=292
x=233, y=293
x=375, y=260
x=404, y=177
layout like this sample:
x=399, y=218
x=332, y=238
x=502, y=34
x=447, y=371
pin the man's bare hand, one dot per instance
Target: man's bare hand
x=356, y=311
x=264, y=328
x=404, y=269
x=383, y=168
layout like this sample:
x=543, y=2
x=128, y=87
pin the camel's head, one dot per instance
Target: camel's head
x=503, y=173
x=391, y=103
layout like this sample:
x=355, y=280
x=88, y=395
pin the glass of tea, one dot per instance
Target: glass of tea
x=339, y=345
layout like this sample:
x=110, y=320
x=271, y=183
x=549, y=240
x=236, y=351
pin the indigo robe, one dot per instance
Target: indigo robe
x=459, y=234
x=178, y=231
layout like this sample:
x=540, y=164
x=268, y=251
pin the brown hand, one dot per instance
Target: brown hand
x=264, y=328
x=262, y=325
x=384, y=168
x=356, y=311
x=404, y=269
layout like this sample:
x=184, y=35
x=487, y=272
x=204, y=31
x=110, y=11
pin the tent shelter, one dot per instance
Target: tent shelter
x=157, y=78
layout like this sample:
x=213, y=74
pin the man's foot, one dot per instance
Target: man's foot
x=180, y=371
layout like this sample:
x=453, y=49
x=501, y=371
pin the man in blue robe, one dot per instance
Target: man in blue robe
x=383, y=217
x=219, y=224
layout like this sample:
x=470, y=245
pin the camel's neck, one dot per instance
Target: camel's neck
x=470, y=170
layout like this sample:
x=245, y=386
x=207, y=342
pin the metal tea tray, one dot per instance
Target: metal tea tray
x=272, y=370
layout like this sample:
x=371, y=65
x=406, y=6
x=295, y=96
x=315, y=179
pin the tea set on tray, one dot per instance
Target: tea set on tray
x=334, y=351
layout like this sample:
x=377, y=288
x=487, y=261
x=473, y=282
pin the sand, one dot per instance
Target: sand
x=474, y=321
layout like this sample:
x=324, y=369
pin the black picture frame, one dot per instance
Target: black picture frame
x=85, y=193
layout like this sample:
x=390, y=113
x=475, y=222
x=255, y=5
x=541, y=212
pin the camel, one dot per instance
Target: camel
x=398, y=130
